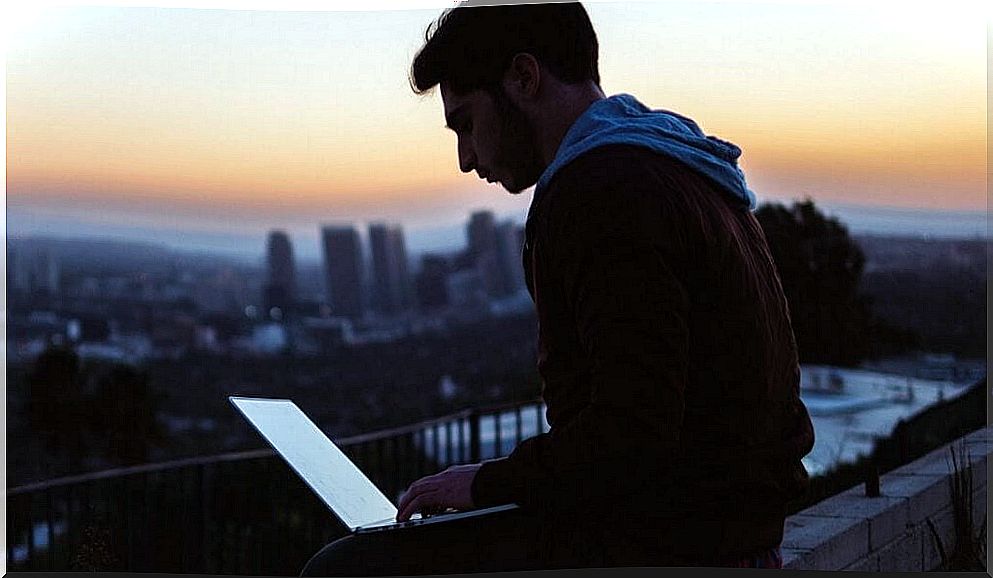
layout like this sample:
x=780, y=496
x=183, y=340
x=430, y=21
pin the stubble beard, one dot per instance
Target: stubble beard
x=518, y=150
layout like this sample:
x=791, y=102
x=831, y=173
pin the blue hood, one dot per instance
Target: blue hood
x=621, y=119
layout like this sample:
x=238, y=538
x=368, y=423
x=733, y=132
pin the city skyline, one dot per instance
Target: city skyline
x=451, y=237
x=284, y=120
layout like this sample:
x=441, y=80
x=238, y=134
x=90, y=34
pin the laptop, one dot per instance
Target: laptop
x=336, y=480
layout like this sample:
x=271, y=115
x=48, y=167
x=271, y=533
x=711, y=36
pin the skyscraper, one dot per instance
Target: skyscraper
x=390, y=277
x=280, y=291
x=432, y=292
x=483, y=253
x=481, y=231
x=343, y=266
x=36, y=271
x=508, y=249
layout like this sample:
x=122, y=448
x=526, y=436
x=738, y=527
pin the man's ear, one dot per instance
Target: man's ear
x=522, y=79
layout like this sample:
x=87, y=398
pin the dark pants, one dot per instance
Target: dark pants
x=504, y=541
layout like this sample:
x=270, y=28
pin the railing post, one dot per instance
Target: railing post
x=520, y=426
x=32, y=565
x=436, y=447
x=206, y=536
x=423, y=463
x=50, y=526
x=871, y=480
x=498, y=434
x=449, y=453
x=129, y=564
x=474, y=436
x=13, y=532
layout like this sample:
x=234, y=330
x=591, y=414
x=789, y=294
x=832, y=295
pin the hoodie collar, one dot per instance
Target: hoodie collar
x=622, y=119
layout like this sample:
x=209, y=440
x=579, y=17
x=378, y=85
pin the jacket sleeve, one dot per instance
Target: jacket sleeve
x=602, y=256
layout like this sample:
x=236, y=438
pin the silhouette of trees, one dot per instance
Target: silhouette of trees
x=123, y=415
x=55, y=404
x=820, y=266
x=83, y=410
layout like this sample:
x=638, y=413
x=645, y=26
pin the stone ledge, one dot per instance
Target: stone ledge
x=924, y=493
x=939, y=462
x=889, y=533
x=868, y=564
x=985, y=433
x=944, y=523
x=833, y=542
x=886, y=516
x=795, y=558
x=903, y=554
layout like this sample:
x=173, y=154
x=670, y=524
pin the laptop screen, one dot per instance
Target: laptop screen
x=325, y=468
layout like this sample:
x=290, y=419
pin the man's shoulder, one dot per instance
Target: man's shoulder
x=627, y=170
x=615, y=177
x=617, y=163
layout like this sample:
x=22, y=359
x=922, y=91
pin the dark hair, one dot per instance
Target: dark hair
x=470, y=47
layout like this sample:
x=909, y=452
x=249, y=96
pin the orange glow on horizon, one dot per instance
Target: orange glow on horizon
x=309, y=113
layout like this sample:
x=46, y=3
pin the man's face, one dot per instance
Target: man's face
x=495, y=139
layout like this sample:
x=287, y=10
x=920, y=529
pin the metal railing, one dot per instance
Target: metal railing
x=237, y=513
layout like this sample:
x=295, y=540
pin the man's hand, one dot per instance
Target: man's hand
x=451, y=488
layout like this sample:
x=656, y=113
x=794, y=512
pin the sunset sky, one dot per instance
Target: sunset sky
x=148, y=122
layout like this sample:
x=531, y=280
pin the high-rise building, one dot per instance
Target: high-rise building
x=432, y=290
x=483, y=252
x=466, y=291
x=280, y=291
x=344, y=271
x=508, y=249
x=38, y=272
x=15, y=279
x=481, y=231
x=390, y=276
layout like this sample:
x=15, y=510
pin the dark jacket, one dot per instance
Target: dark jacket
x=669, y=370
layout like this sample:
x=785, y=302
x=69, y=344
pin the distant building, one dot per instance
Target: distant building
x=226, y=290
x=47, y=276
x=483, y=252
x=33, y=270
x=269, y=338
x=432, y=292
x=14, y=278
x=280, y=291
x=466, y=290
x=390, y=275
x=322, y=335
x=508, y=250
x=91, y=329
x=344, y=271
x=481, y=231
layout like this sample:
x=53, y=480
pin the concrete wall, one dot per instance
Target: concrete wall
x=889, y=533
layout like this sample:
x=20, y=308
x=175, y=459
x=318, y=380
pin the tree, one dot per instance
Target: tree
x=55, y=404
x=80, y=410
x=124, y=415
x=820, y=267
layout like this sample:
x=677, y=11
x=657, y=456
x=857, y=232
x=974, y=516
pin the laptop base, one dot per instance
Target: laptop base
x=386, y=525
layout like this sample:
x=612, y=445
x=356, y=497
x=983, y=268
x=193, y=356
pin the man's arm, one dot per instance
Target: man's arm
x=602, y=254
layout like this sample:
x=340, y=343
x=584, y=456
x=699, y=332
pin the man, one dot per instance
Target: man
x=668, y=362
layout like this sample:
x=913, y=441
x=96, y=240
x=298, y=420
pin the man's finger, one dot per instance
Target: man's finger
x=407, y=510
x=407, y=496
x=405, y=499
x=412, y=492
x=419, y=486
x=419, y=503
